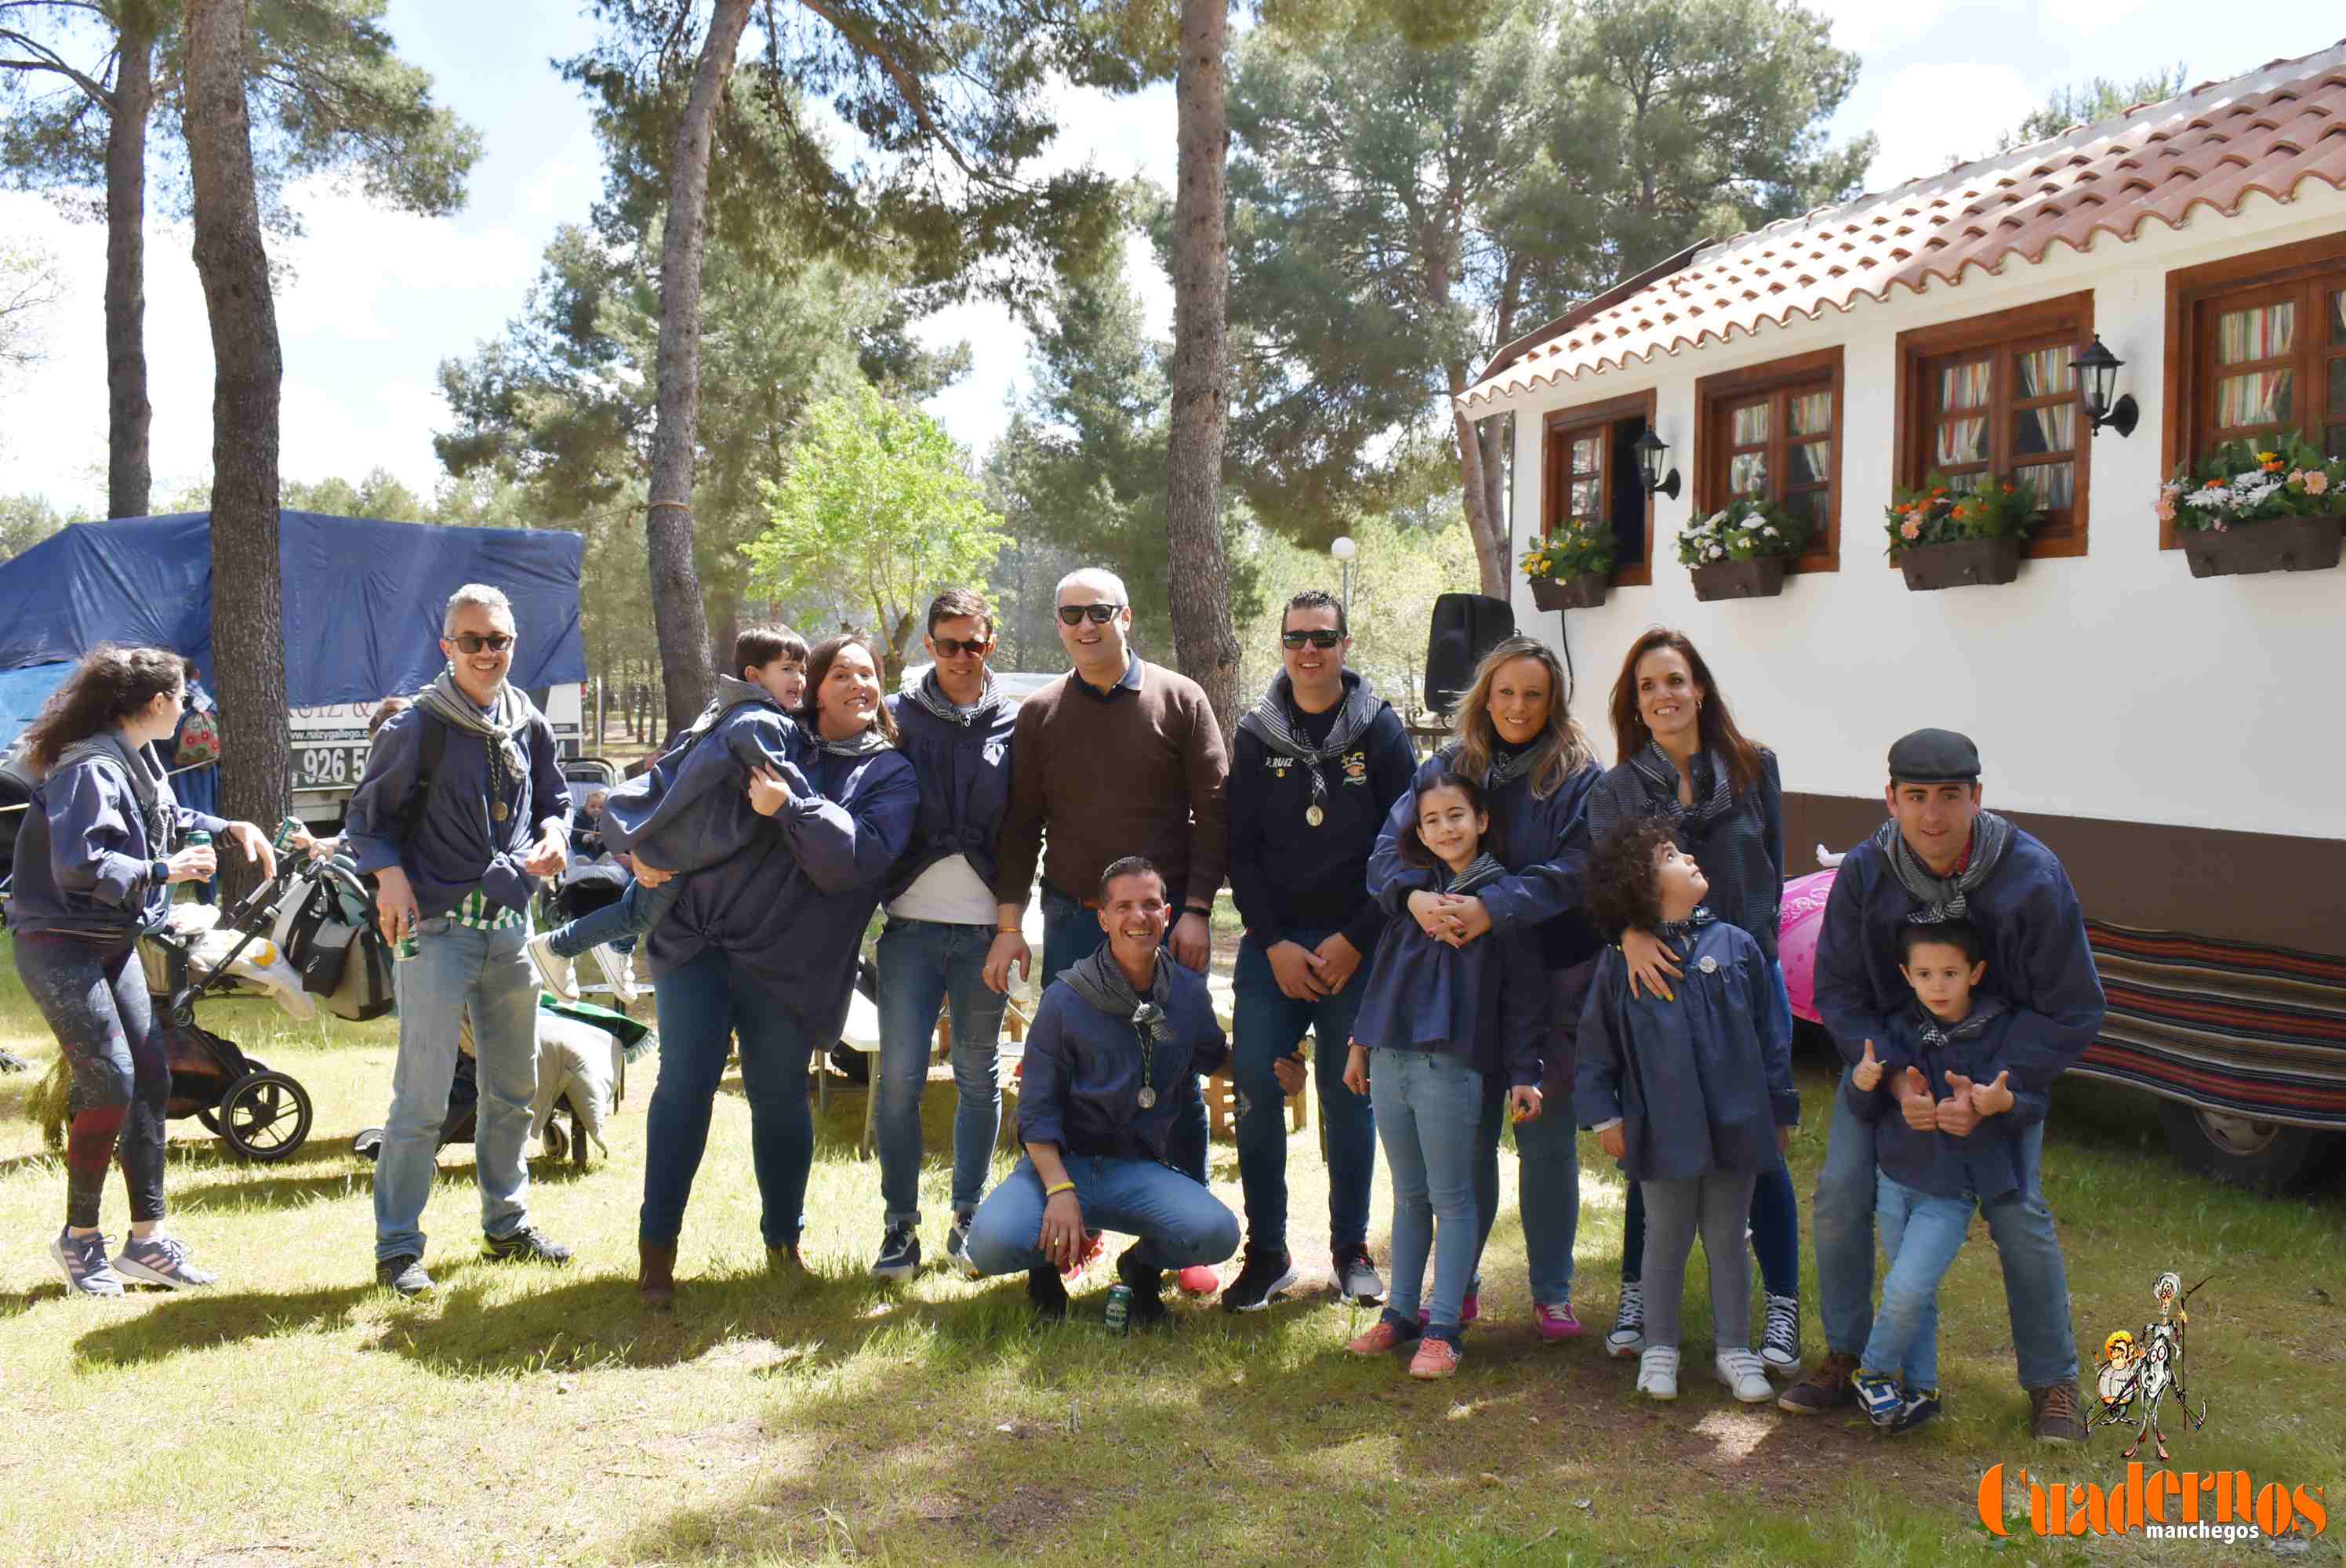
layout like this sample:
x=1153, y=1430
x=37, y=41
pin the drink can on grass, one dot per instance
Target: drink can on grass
x=1119, y=1308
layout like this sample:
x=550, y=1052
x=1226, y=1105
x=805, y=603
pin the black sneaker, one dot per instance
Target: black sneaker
x=1915, y=1406
x=1266, y=1275
x=1148, y=1308
x=404, y=1276
x=527, y=1244
x=12, y=1062
x=1049, y=1296
x=899, y=1254
x=1357, y=1279
x=958, y=1248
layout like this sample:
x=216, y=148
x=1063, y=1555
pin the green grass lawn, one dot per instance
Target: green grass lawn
x=297, y=1416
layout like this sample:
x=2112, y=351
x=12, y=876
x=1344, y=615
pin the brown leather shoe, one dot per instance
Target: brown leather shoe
x=784, y=1260
x=1826, y=1388
x=2053, y=1414
x=656, y=1274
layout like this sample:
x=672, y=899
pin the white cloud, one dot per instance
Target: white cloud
x=1933, y=117
x=1871, y=26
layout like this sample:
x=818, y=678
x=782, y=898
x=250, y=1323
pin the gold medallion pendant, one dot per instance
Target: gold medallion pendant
x=1147, y=1098
x=499, y=810
x=1315, y=816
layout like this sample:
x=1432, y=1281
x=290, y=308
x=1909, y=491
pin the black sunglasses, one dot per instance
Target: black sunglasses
x=473, y=641
x=953, y=648
x=1073, y=615
x=1319, y=640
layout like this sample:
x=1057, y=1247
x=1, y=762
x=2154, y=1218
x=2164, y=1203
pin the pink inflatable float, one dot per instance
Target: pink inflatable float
x=1796, y=940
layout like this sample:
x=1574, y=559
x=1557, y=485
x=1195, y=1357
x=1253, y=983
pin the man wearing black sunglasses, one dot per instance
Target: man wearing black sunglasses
x=1119, y=757
x=1315, y=767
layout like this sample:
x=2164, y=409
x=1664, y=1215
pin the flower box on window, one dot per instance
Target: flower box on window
x=1571, y=568
x=2255, y=507
x=1740, y=551
x=1946, y=536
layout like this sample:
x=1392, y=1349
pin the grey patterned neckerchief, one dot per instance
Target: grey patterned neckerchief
x=500, y=728
x=1945, y=898
x=1936, y=1037
x=932, y=697
x=1506, y=766
x=1267, y=719
x=150, y=785
x=863, y=743
x=1099, y=980
x=1657, y=768
x=1679, y=930
x=1480, y=873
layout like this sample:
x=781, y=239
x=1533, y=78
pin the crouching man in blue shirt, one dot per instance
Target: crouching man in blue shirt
x=1112, y=1064
x=460, y=813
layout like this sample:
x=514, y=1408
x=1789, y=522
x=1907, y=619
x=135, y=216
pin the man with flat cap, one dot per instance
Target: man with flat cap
x=1940, y=857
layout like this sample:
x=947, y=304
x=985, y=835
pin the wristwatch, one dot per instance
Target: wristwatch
x=1194, y=909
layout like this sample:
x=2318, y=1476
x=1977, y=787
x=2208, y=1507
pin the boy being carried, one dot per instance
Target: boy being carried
x=1931, y=1179
x=772, y=661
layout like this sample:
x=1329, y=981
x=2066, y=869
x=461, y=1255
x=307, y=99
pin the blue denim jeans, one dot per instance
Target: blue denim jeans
x=1921, y=1235
x=703, y=1004
x=2036, y=1277
x=1428, y=1105
x=1268, y=1026
x=632, y=914
x=1178, y=1222
x=926, y=965
x=457, y=969
x=1072, y=933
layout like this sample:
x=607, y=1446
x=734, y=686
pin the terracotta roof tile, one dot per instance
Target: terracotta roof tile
x=2269, y=133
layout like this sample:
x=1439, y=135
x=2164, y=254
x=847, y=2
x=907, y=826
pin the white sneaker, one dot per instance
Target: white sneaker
x=620, y=969
x=1628, y=1335
x=1658, y=1372
x=1745, y=1377
x=553, y=970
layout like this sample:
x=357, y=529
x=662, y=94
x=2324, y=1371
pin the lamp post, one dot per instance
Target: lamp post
x=1344, y=549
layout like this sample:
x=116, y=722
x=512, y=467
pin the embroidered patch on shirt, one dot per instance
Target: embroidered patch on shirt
x=1356, y=767
x=1708, y=965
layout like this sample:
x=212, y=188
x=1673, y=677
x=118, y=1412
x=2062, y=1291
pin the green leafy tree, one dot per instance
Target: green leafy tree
x=28, y=287
x=2090, y=103
x=378, y=494
x=27, y=520
x=1419, y=183
x=880, y=504
x=83, y=81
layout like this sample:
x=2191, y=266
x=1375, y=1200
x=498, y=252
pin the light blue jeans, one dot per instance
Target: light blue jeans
x=926, y=965
x=1921, y=1235
x=1180, y=1222
x=2035, y=1278
x=1428, y=1106
x=456, y=968
x=634, y=913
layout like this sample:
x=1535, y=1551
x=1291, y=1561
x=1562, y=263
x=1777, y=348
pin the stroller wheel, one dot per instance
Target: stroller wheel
x=265, y=1116
x=368, y=1144
x=209, y=1116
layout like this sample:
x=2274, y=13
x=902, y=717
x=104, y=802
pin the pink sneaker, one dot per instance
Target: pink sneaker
x=1434, y=1359
x=1557, y=1322
x=1381, y=1338
x=1199, y=1280
x=1469, y=1308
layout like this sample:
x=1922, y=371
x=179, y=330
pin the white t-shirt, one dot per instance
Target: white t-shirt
x=950, y=892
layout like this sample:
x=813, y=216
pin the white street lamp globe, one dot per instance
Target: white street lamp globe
x=1343, y=549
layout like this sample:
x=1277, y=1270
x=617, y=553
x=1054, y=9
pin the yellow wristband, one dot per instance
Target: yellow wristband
x=1056, y=1191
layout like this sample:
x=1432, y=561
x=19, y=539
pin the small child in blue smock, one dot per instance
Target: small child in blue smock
x=1693, y=1095
x=1436, y=1024
x=1930, y=1177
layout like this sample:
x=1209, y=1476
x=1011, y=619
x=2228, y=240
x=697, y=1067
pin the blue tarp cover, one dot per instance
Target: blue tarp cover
x=362, y=598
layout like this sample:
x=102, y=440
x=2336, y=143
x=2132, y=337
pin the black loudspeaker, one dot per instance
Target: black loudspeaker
x=1465, y=628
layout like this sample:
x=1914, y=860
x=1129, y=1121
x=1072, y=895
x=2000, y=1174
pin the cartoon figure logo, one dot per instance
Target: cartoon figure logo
x=2138, y=1372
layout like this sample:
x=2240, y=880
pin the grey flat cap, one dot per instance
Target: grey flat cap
x=1935, y=757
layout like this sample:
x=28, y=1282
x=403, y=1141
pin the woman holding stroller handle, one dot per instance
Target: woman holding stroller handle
x=103, y=842
x=763, y=941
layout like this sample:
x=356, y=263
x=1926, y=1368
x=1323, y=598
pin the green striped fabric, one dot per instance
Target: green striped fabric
x=479, y=914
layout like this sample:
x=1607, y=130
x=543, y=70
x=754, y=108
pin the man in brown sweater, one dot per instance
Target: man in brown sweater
x=1119, y=757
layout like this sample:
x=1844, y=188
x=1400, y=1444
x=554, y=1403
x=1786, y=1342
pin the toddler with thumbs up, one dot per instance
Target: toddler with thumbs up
x=1946, y=1139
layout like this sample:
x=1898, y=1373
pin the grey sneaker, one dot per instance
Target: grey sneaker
x=1780, y=1340
x=1358, y=1281
x=527, y=1244
x=899, y=1254
x=161, y=1260
x=554, y=973
x=82, y=1260
x=402, y=1276
x=957, y=1248
x=1628, y=1335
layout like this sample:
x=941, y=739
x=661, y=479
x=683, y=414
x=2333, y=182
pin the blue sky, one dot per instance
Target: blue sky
x=378, y=300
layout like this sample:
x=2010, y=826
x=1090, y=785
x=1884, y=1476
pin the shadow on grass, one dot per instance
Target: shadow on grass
x=200, y=1321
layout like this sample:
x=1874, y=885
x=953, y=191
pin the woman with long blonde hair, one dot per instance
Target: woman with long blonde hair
x=1518, y=740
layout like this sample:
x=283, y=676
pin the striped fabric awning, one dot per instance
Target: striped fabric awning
x=2259, y=1032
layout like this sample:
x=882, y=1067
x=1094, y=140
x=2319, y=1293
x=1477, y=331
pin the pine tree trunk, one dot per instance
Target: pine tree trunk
x=1204, y=641
x=677, y=610
x=1486, y=529
x=248, y=616
x=129, y=474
